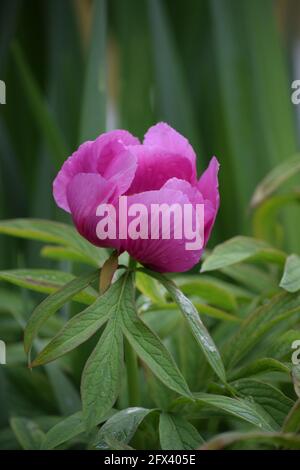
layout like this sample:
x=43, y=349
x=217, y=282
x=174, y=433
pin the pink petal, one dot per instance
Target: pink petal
x=208, y=185
x=155, y=166
x=195, y=197
x=84, y=194
x=164, y=255
x=164, y=136
x=107, y=155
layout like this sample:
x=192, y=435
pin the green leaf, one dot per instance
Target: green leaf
x=93, y=113
x=27, y=432
x=240, y=408
x=274, y=402
x=63, y=431
x=197, y=327
x=61, y=253
x=290, y=280
x=54, y=302
x=210, y=292
x=259, y=323
x=83, y=325
x=149, y=347
x=54, y=232
x=275, y=179
x=292, y=420
x=259, y=367
x=102, y=374
x=46, y=281
x=121, y=427
x=175, y=433
x=240, y=249
x=66, y=430
x=252, y=277
x=150, y=288
x=286, y=441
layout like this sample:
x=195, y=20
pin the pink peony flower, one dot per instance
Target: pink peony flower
x=161, y=170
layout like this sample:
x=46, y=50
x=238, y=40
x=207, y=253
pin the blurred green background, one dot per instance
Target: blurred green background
x=219, y=71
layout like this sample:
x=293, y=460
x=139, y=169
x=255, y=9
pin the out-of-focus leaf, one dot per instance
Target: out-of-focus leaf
x=28, y=433
x=162, y=321
x=265, y=223
x=259, y=323
x=250, y=276
x=53, y=232
x=121, y=426
x=210, y=292
x=46, y=281
x=290, y=280
x=240, y=249
x=175, y=433
x=61, y=253
x=275, y=179
x=54, y=302
x=66, y=394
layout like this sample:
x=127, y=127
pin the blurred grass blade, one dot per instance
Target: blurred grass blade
x=93, y=112
x=266, y=223
x=275, y=179
x=40, y=110
x=173, y=100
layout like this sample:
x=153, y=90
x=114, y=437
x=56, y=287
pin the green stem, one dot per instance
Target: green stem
x=132, y=375
x=132, y=264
